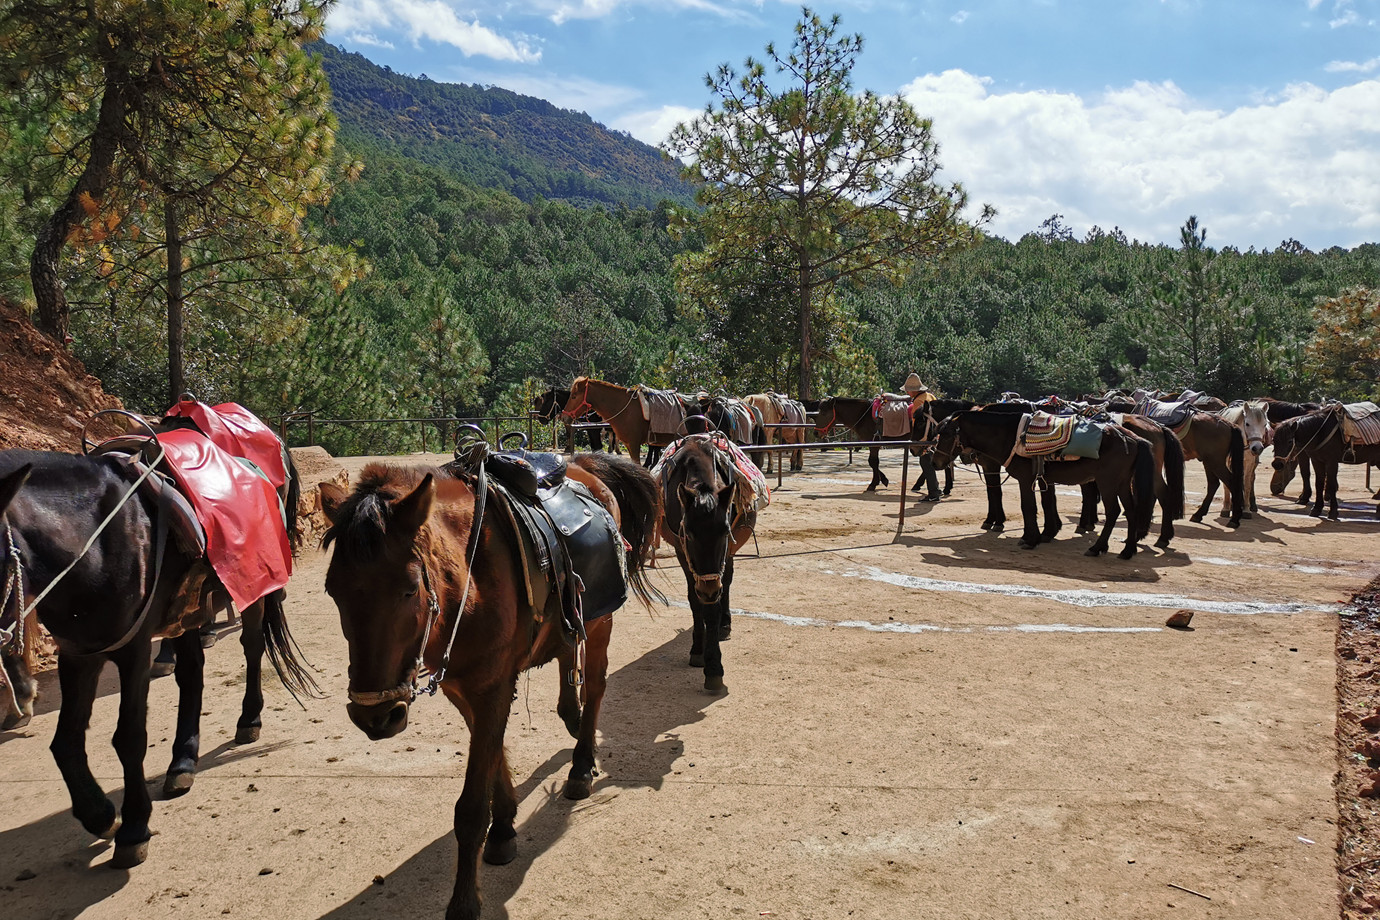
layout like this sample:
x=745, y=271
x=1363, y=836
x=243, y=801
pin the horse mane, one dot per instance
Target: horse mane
x=361, y=524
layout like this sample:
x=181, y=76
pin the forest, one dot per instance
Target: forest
x=434, y=273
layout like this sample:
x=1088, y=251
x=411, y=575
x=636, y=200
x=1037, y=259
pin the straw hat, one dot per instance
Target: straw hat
x=914, y=386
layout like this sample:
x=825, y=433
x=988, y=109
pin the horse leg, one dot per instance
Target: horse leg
x=1307, y=492
x=1333, y=467
x=166, y=662
x=252, y=641
x=1320, y=487
x=1030, y=536
x=191, y=659
x=713, y=654
x=500, y=843
x=1214, y=476
x=1166, y=519
x=487, y=723
x=1127, y=502
x=1049, y=503
x=1087, y=517
x=996, y=513
x=697, y=614
x=877, y=475
x=1248, y=484
x=77, y=679
x=581, y=778
x=948, y=479
x=1111, y=507
x=131, y=741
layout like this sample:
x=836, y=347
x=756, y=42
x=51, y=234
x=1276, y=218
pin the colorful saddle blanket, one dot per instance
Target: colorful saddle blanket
x=1361, y=423
x=246, y=542
x=893, y=414
x=1174, y=415
x=753, y=493
x=1058, y=437
x=664, y=411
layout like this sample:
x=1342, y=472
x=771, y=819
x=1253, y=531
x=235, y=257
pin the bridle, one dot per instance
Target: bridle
x=1331, y=425
x=715, y=581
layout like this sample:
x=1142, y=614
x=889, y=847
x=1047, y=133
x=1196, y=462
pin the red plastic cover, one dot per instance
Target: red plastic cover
x=246, y=542
x=235, y=429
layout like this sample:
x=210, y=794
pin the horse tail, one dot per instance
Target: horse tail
x=1237, y=468
x=291, y=500
x=283, y=652
x=639, y=507
x=1143, y=485
x=1173, y=477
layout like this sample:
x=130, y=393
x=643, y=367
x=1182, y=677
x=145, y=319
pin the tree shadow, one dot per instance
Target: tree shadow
x=642, y=710
x=64, y=883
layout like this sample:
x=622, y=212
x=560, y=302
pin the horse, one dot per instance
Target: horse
x=925, y=420
x=775, y=410
x=1123, y=471
x=707, y=516
x=404, y=562
x=1252, y=418
x=622, y=408
x=548, y=405
x=856, y=414
x=107, y=603
x=724, y=415
x=1318, y=437
x=1280, y=411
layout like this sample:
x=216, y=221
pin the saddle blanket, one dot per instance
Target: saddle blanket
x=237, y=506
x=792, y=410
x=1361, y=423
x=1067, y=436
x=893, y=412
x=742, y=418
x=663, y=411
x=239, y=432
x=1175, y=415
x=753, y=493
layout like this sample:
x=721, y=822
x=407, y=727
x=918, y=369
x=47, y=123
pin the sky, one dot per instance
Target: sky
x=1260, y=117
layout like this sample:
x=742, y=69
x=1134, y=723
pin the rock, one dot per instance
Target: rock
x=1179, y=619
x=1371, y=722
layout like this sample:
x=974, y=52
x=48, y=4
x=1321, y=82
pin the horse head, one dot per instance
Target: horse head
x=18, y=690
x=701, y=486
x=1255, y=424
x=826, y=416
x=949, y=445
x=1284, y=437
x=577, y=402
x=385, y=582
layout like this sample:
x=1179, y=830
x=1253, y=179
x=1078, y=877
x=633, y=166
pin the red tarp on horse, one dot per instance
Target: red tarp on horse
x=246, y=542
x=235, y=429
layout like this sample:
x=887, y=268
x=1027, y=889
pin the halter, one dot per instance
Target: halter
x=1294, y=454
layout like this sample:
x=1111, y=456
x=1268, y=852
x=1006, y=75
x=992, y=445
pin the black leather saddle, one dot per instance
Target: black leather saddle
x=131, y=456
x=572, y=551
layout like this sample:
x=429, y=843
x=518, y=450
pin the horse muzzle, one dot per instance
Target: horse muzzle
x=1257, y=447
x=709, y=588
x=380, y=720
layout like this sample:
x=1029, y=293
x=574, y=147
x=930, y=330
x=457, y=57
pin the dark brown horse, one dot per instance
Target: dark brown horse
x=1318, y=437
x=409, y=592
x=1169, y=479
x=107, y=603
x=1277, y=410
x=1123, y=471
x=707, y=516
x=548, y=405
x=856, y=415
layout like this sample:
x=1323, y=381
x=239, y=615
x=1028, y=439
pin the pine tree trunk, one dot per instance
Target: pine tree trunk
x=806, y=372
x=177, y=380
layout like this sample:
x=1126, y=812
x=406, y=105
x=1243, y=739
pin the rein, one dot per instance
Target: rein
x=1297, y=451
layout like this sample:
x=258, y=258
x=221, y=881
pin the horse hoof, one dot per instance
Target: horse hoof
x=696, y=661
x=1028, y=544
x=1334, y=517
x=175, y=784
x=109, y=832
x=725, y=633
x=1126, y=553
x=1162, y=543
x=1092, y=551
x=987, y=525
x=1197, y=519
x=714, y=686
x=577, y=788
x=998, y=528
x=129, y=855
x=162, y=668
x=247, y=734
x=871, y=488
x=1233, y=524
x=500, y=852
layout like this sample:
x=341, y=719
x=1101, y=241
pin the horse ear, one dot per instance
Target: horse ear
x=332, y=497
x=11, y=484
x=411, y=512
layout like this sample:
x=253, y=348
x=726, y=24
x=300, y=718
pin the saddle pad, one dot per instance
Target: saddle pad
x=792, y=411
x=246, y=542
x=894, y=414
x=753, y=493
x=1041, y=434
x=239, y=432
x=1171, y=415
x=663, y=411
x=741, y=415
x=1361, y=423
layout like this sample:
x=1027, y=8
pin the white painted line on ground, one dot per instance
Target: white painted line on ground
x=913, y=628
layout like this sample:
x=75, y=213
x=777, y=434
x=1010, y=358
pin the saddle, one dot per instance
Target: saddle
x=573, y=556
x=1176, y=416
x=1058, y=437
x=158, y=490
x=893, y=413
x=1361, y=423
x=664, y=410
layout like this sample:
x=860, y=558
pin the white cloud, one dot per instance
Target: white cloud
x=578, y=93
x=369, y=39
x=1305, y=164
x=959, y=18
x=1347, y=18
x=1353, y=66
x=433, y=20
x=652, y=126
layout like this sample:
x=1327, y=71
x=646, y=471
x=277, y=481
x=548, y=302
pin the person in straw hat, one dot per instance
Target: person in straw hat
x=920, y=394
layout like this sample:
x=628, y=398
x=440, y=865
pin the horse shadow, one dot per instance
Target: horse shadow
x=60, y=881
x=1063, y=558
x=642, y=745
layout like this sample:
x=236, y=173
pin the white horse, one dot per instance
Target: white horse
x=1251, y=418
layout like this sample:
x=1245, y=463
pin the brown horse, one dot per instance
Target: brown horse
x=1169, y=479
x=1278, y=410
x=621, y=407
x=707, y=516
x=773, y=407
x=1318, y=437
x=404, y=563
x=856, y=415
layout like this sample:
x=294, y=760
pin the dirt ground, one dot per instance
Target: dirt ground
x=930, y=723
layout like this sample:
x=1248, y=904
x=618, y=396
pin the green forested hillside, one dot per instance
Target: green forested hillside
x=496, y=138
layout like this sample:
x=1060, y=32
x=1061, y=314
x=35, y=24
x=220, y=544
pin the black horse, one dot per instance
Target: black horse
x=1318, y=436
x=706, y=518
x=107, y=603
x=1278, y=411
x=924, y=425
x=719, y=411
x=1124, y=473
x=551, y=403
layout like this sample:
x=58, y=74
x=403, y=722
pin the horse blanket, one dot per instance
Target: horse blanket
x=1058, y=437
x=753, y=493
x=663, y=411
x=741, y=415
x=1176, y=416
x=246, y=542
x=236, y=430
x=792, y=410
x=892, y=413
x=1361, y=423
